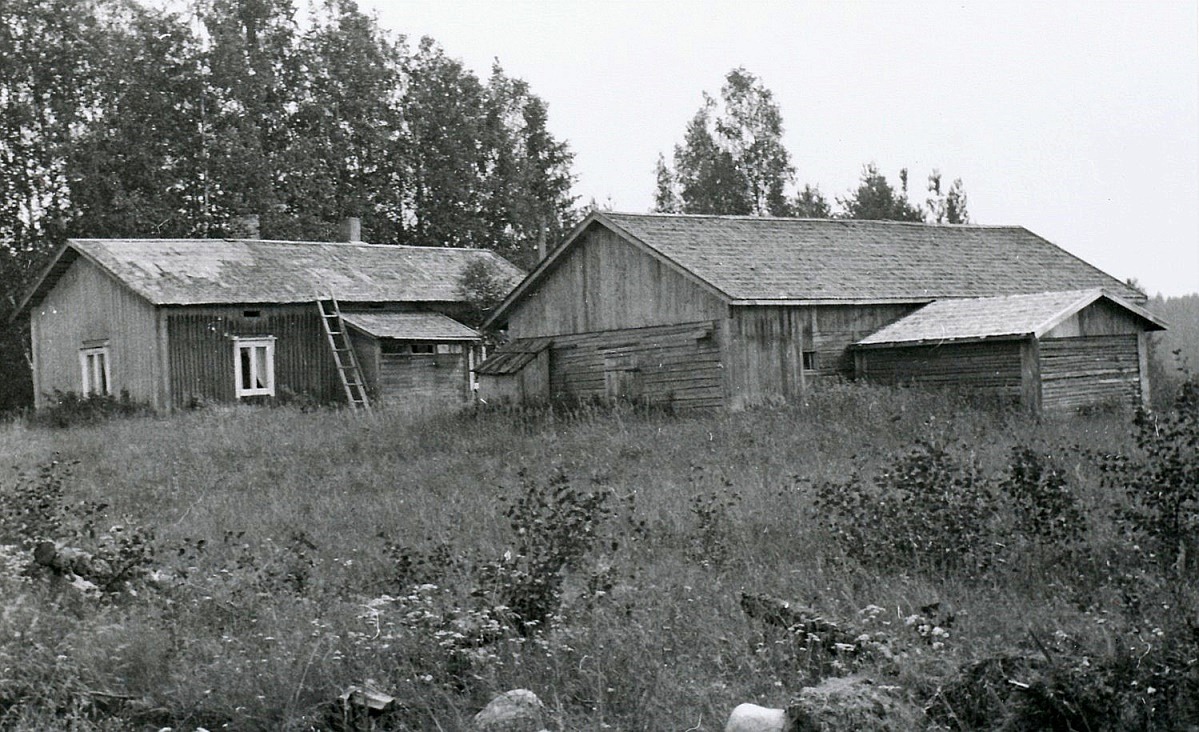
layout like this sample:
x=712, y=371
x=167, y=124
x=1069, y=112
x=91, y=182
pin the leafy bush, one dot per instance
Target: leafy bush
x=67, y=538
x=68, y=409
x=710, y=544
x=1161, y=482
x=928, y=509
x=1044, y=506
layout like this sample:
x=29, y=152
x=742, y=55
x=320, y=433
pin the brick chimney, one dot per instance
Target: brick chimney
x=351, y=229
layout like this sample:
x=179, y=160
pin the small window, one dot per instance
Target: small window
x=97, y=379
x=254, y=359
x=390, y=347
x=443, y=348
x=423, y=348
x=810, y=362
x=251, y=313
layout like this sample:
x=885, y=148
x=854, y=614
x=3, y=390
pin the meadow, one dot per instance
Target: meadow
x=241, y=568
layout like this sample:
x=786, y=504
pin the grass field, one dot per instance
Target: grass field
x=265, y=560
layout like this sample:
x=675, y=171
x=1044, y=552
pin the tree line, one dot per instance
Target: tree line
x=732, y=161
x=122, y=119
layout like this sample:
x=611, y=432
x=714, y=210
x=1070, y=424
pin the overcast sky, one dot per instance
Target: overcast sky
x=1079, y=121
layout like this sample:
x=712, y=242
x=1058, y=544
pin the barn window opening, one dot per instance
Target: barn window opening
x=251, y=313
x=449, y=348
x=254, y=359
x=97, y=379
x=810, y=362
x=423, y=348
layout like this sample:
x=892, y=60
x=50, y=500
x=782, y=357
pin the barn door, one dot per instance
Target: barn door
x=622, y=377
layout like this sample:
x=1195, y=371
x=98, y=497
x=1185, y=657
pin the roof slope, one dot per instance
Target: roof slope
x=411, y=326
x=213, y=271
x=758, y=258
x=1009, y=316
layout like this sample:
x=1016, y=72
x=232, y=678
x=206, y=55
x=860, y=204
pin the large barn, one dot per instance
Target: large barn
x=176, y=322
x=730, y=311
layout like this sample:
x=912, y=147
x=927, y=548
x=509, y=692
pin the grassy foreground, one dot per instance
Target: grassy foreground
x=248, y=566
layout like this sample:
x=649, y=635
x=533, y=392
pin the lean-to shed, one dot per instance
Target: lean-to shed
x=175, y=322
x=729, y=311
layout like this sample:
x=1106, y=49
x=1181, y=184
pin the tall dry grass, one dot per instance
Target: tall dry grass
x=302, y=552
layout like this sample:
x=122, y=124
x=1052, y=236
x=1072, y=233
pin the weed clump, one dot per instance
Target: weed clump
x=68, y=409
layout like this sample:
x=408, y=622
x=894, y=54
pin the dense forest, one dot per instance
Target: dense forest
x=119, y=118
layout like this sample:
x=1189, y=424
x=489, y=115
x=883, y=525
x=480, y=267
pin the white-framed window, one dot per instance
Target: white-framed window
x=97, y=378
x=254, y=366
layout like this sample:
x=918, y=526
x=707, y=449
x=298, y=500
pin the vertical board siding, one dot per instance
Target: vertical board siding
x=764, y=352
x=433, y=377
x=1100, y=318
x=201, y=351
x=677, y=365
x=986, y=367
x=1079, y=372
x=606, y=283
x=832, y=329
x=88, y=305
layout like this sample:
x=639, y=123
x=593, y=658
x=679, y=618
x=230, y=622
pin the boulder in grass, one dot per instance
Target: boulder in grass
x=518, y=710
x=852, y=702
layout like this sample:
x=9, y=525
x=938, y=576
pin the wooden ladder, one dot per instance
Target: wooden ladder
x=344, y=358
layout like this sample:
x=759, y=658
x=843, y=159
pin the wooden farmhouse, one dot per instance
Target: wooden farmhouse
x=725, y=311
x=179, y=322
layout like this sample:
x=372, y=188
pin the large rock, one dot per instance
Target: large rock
x=518, y=710
x=852, y=703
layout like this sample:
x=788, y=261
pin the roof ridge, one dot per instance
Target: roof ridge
x=298, y=242
x=748, y=217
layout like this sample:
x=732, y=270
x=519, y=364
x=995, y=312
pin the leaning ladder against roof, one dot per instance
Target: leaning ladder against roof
x=348, y=370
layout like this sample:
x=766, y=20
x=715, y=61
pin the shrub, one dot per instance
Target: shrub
x=1161, y=481
x=927, y=508
x=67, y=409
x=1045, y=508
x=69, y=538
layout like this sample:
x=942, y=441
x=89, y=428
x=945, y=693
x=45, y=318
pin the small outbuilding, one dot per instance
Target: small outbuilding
x=180, y=321
x=731, y=311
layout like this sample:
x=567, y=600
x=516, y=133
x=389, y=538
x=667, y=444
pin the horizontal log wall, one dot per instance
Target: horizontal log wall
x=201, y=351
x=1079, y=372
x=678, y=365
x=426, y=377
x=990, y=367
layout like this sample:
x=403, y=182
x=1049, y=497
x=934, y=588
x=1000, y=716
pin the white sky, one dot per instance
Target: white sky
x=1079, y=121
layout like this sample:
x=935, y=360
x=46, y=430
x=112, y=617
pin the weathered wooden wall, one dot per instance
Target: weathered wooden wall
x=367, y=350
x=763, y=355
x=605, y=283
x=88, y=305
x=426, y=377
x=830, y=330
x=1078, y=372
x=201, y=351
x=677, y=365
x=764, y=346
x=993, y=367
x=1100, y=318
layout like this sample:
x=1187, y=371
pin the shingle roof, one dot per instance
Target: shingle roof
x=212, y=271
x=1009, y=316
x=759, y=258
x=411, y=326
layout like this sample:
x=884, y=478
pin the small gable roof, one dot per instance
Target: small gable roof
x=411, y=326
x=762, y=260
x=225, y=271
x=982, y=318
